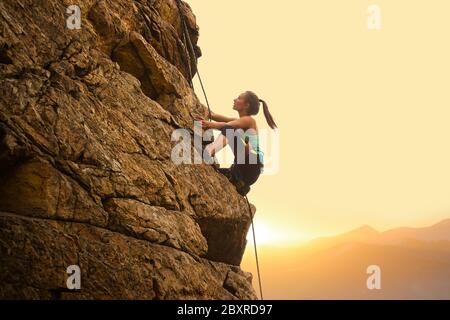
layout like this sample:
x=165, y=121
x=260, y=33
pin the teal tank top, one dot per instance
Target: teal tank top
x=253, y=140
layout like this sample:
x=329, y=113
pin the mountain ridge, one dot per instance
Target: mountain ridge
x=437, y=231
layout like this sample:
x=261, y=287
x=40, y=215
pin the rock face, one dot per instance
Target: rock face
x=86, y=177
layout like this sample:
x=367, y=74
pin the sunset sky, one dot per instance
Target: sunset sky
x=362, y=114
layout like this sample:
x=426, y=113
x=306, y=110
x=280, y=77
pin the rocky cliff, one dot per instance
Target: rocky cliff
x=86, y=177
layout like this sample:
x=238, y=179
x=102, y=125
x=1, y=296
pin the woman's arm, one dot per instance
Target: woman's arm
x=212, y=124
x=243, y=123
x=221, y=118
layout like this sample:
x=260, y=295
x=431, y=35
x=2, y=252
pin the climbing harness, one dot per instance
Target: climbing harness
x=191, y=49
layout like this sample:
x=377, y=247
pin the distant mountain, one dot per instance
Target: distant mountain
x=362, y=234
x=414, y=263
x=438, y=231
x=367, y=234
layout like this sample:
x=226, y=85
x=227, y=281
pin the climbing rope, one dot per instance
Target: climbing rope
x=191, y=48
x=186, y=48
x=256, y=251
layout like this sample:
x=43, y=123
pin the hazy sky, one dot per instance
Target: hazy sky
x=362, y=114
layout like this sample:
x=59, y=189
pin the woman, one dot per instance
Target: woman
x=242, y=135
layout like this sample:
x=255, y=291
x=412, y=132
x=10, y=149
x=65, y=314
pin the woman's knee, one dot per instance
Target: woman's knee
x=225, y=128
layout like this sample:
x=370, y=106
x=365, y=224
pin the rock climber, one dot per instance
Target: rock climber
x=242, y=136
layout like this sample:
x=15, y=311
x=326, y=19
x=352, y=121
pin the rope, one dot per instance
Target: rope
x=204, y=93
x=183, y=28
x=191, y=48
x=256, y=251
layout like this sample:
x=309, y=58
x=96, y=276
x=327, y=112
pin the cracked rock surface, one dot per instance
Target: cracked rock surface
x=86, y=177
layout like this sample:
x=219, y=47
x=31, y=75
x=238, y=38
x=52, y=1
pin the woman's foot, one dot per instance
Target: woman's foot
x=216, y=166
x=225, y=171
x=242, y=188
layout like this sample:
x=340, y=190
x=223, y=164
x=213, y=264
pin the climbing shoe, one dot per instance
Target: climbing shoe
x=216, y=166
x=225, y=171
x=242, y=188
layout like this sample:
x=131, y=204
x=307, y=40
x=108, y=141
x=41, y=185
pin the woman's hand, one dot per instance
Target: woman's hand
x=197, y=118
x=207, y=124
x=204, y=123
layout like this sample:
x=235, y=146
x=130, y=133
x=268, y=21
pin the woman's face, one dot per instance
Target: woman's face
x=239, y=103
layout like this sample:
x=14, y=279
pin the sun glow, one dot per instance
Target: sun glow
x=269, y=235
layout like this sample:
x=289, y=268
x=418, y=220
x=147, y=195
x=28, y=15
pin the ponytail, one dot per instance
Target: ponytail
x=253, y=107
x=267, y=115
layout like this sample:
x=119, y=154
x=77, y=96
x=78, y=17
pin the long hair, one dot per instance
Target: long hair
x=253, y=109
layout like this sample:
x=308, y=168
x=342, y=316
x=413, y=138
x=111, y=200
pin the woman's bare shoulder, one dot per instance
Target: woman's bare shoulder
x=252, y=125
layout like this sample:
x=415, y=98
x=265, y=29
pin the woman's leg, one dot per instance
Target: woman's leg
x=237, y=143
x=217, y=145
x=241, y=174
x=212, y=148
x=235, y=138
x=250, y=173
x=206, y=156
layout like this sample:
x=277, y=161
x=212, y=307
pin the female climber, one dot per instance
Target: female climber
x=242, y=136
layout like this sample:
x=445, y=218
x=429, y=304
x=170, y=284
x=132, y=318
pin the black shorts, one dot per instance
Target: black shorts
x=245, y=167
